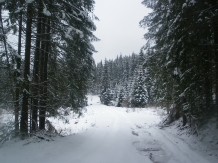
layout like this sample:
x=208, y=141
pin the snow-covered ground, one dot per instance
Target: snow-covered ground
x=107, y=134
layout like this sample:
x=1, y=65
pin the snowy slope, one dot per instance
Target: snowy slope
x=108, y=135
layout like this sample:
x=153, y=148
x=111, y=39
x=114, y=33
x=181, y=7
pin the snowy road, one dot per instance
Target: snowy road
x=114, y=135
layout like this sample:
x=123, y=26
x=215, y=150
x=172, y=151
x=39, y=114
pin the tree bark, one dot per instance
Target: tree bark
x=47, y=51
x=43, y=73
x=25, y=104
x=17, y=75
x=214, y=4
x=36, y=70
x=3, y=35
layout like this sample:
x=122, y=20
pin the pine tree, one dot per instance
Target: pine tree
x=120, y=98
x=105, y=95
x=139, y=96
x=117, y=75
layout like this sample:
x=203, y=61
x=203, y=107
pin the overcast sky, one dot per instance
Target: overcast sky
x=118, y=28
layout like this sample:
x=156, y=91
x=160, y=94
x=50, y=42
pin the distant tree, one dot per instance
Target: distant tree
x=139, y=96
x=120, y=98
x=116, y=75
x=105, y=96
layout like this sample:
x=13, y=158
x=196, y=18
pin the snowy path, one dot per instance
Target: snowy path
x=114, y=135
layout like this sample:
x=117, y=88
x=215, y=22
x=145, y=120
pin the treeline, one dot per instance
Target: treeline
x=180, y=61
x=121, y=80
x=50, y=63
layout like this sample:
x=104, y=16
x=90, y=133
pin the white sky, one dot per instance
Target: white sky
x=118, y=28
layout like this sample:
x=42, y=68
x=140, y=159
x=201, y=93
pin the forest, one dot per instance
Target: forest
x=44, y=45
x=46, y=61
x=177, y=69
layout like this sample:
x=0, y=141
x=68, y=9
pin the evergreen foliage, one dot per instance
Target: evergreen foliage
x=120, y=98
x=180, y=61
x=121, y=78
x=139, y=96
x=105, y=96
x=181, y=54
x=55, y=39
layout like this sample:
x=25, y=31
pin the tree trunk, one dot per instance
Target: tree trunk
x=17, y=75
x=24, y=112
x=47, y=51
x=36, y=70
x=45, y=76
x=207, y=79
x=214, y=3
x=42, y=80
x=3, y=35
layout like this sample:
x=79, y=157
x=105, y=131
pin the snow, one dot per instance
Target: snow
x=67, y=34
x=106, y=134
x=5, y=119
x=20, y=79
x=70, y=29
x=168, y=13
x=29, y=78
x=27, y=92
x=30, y=1
x=17, y=55
x=18, y=10
x=63, y=15
x=193, y=2
x=176, y=71
x=184, y=5
x=45, y=10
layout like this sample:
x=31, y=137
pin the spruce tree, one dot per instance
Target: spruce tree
x=105, y=95
x=139, y=95
x=120, y=98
